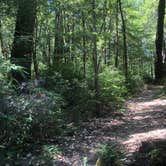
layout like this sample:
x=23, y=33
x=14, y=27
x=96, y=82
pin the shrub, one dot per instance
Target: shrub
x=30, y=154
x=78, y=91
x=32, y=116
x=68, y=81
x=5, y=75
x=135, y=84
x=109, y=156
x=112, y=88
x=151, y=153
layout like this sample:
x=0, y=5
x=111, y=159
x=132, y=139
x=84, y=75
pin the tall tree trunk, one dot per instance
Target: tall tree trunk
x=49, y=50
x=1, y=41
x=110, y=30
x=117, y=36
x=125, y=58
x=35, y=62
x=105, y=28
x=95, y=58
x=159, y=65
x=59, y=39
x=22, y=49
x=84, y=44
x=164, y=57
x=164, y=51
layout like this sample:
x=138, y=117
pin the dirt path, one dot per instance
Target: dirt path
x=144, y=119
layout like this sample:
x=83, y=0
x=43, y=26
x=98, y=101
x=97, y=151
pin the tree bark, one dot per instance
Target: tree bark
x=1, y=41
x=95, y=58
x=159, y=64
x=59, y=39
x=117, y=35
x=35, y=62
x=22, y=49
x=125, y=58
x=84, y=44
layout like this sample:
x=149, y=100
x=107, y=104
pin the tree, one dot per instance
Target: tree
x=95, y=57
x=1, y=40
x=125, y=59
x=117, y=34
x=59, y=41
x=159, y=64
x=22, y=48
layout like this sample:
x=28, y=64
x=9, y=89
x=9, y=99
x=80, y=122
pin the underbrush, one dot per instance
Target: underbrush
x=109, y=155
x=135, y=84
x=30, y=154
x=151, y=153
x=112, y=89
x=41, y=110
x=31, y=116
x=79, y=93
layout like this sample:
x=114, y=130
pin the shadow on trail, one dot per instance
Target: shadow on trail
x=145, y=119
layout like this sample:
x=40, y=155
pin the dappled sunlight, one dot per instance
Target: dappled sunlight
x=134, y=140
x=148, y=120
x=141, y=117
x=147, y=105
x=79, y=81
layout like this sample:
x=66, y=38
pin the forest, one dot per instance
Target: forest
x=82, y=83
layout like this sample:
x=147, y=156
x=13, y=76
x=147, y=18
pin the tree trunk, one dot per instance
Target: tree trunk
x=117, y=35
x=35, y=62
x=110, y=30
x=95, y=58
x=125, y=58
x=159, y=65
x=59, y=40
x=84, y=44
x=105, y=28
x=1, y=40
x=22, y=49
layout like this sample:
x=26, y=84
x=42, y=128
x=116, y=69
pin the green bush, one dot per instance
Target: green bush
x=79, y=93
x=135, y=84
x=5, y=75
x=112, y=88
x=29, y=154
x=68, y=81
x=31, y=116
x=109, y=156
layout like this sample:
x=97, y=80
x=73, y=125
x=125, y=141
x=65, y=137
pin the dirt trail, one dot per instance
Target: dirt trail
x=144, y=119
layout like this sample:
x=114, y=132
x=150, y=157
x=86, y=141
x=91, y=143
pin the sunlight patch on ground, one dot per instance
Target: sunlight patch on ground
x=134, y=141
x=142, y=117
x=147, y=105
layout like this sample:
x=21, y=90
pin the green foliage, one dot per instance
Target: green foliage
x=33, y=115
x=63, y=48
x=109, y=156
x=29, y=154
x=135, y=83
x=78, y=91
x=5, y=74
x=112, y=87
x=50, y=151
x=68, y=81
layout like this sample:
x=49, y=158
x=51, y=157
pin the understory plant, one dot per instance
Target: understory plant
x=112, y=88
x=35, y=116
x=135, y=83
x=109, y=155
